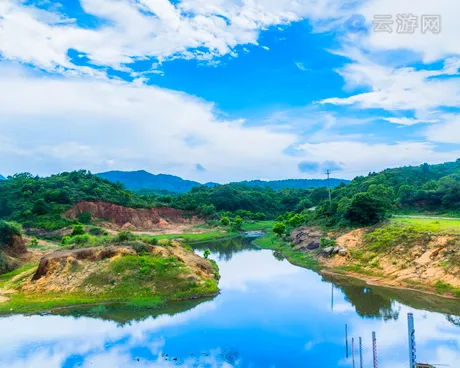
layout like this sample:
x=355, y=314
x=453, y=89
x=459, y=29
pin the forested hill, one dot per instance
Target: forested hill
x=424, y=188
x=136, y=180
x=2, y=177
x=35, y=201
x=143, y=180
x=295, y=183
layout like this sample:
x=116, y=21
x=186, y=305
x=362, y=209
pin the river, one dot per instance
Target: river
x=269, y=314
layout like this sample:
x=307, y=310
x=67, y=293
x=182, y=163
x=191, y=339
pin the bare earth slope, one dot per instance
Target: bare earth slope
x=400, y=256
x=143, y=219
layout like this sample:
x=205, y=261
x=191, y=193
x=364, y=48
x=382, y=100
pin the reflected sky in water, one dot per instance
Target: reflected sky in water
x=269, y=314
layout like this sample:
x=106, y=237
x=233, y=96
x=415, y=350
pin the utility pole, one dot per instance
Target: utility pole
x=411, y=331
x=328, y=186
x=374, y=349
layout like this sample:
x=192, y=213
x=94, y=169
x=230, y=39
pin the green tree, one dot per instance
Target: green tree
x=279, y=228
x=207, y=253
x=365, y=210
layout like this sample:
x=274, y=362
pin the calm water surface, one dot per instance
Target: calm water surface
x=269, y=314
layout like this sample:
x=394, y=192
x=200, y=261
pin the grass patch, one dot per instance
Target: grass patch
x=8, y=276
x=430, y=225
x=442, y=287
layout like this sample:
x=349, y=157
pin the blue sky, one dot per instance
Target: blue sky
x=224, y=90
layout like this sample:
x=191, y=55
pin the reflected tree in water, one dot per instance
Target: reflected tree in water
x=367, y=302
x=226, y=248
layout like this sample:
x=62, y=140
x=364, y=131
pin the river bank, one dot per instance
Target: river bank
x=411, y=254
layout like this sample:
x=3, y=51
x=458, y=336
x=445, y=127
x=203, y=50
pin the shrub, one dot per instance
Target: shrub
x=80, y=239
x=84, y=217
x=140, y=247
x=33, y=242
x=124, y=236
x=225, y=221
x=65, y=240
x=8, y=230
x=154, y=241
x=96, y=231
x=78, y=230
x=237, y=223
x=207, y=253
x=325, y=242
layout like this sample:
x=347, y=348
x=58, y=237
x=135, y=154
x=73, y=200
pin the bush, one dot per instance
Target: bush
x=96, y=231
x=8, y=230
x=154, y=241
x=140, y=247
x=78, y=230
x=225, y=221
x=65, y=240
x=33, y=242
x=125, y=236
x=84, y=217
x=325, y=242
x=207, y=253
x=237, y=223
x=80, y=239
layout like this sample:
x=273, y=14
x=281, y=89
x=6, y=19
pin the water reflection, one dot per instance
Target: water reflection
x=367, y=301
x=269, y=314
x=224, y=250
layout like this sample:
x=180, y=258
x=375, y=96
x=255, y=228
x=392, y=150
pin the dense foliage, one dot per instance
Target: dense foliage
x=35, y=201
x=366, y=200
x=248, y=202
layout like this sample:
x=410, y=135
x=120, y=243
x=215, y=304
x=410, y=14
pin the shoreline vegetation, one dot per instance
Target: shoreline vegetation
x=102, y=241
x=424, y=235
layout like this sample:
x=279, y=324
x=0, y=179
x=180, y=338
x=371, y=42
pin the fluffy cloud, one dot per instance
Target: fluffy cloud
x=128, y=31
x=100, y=124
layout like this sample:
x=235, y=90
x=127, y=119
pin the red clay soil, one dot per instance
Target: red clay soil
x=133, y=218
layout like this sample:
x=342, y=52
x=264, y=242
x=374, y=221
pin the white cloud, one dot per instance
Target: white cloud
x=446, y=132
x=361, y=157
x=430, y=46
x=402, y=88
x=409, y=121
x=137, y=30
x=91, y=124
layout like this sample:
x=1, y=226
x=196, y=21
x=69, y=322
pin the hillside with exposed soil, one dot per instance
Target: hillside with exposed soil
x=392, y=254
x=134, y=272
x=139, y=219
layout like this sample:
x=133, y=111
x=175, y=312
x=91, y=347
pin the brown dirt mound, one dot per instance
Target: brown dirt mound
x=133, y=218
x=67, y=270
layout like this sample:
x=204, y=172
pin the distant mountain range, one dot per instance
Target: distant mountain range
x=137, y=180
x=2, y=177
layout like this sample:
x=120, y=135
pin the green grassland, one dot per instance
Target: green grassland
x=434, y=225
